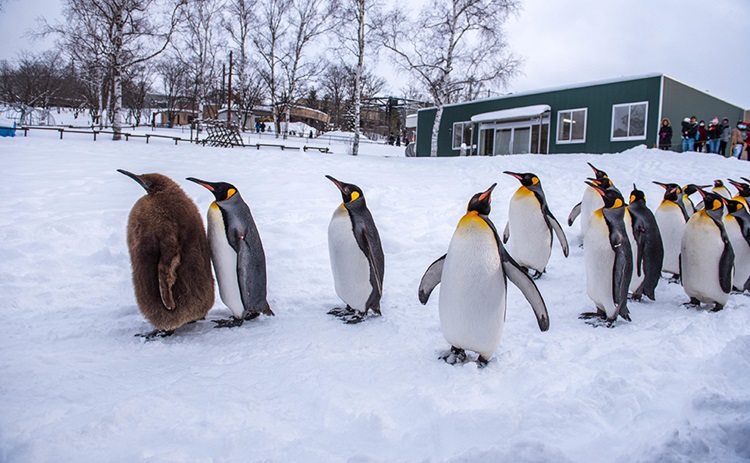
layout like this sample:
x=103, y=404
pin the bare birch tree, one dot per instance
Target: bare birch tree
x=124, y=33
x=451, y=45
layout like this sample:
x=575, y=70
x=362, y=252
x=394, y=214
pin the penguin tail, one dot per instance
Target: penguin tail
x=266, y=310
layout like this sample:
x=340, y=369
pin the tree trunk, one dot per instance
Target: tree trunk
x=117, y=57
x=358, y=83
x=435, y=128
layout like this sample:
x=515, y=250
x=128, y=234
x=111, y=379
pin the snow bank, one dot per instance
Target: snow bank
x=301, y=386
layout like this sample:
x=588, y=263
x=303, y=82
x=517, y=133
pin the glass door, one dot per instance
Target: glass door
x=503, y=139
x=521, y=140
x=486, y=142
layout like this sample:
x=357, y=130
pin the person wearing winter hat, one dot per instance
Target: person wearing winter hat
x=725, y=134
x=712, y=134
x=688, y=142
x=665, y=135
x=738, y=140
x=701, y=137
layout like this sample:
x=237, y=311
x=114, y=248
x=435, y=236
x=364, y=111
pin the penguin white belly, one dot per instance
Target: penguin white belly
x=600, y=261
x=472, y=289
x=689, y=208
x=636, y=280
x=530, y=241
x=224, y=259
x=351, y=269
x=741, y=251
x=701, y=251
x=591, y=201
x=671, y=225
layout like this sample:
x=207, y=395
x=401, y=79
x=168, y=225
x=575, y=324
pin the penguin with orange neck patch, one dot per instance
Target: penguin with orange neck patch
x=530, y=225
x=608, y=258
x=237, y=254
x=357, y=258
x=707, y=257
x=474, y=287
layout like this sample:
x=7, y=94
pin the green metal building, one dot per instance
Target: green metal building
x=599, y=117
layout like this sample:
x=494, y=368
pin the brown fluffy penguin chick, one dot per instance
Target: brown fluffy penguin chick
x=169, y=255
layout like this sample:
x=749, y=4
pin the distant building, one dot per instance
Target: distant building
x=599, y=117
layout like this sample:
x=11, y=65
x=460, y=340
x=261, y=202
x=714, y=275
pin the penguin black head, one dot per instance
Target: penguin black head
x=480, y=202
x=718, y=183
x=527, y=179
x=603, y=182
x=600, y=174
x=733, y=206
x=612, y=198
x=743, y=189
x=672, y=191
x=152, y=183
x=349, y=191
x=221, y=190
x=637, y=195
x=713, y=203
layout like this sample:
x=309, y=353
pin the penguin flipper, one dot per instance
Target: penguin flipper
x=369, y=242
x=726, y=267
x=622, y=273
x=574, y=213
x=506, y=232
x=523, y=281
x=430, y=279
x=167, y=272
x=555, y=225
x=251, y=277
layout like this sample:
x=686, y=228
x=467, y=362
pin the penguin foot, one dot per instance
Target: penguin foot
x=353, y=318
x=230, y=322
x=155, y=334
x=693, y=303
x=674, y=279
x=592, y=315
x=341, y=311
x=454, y=356
x=537, y=274
x=717, y=307
x=482, y=362
x=252, y=315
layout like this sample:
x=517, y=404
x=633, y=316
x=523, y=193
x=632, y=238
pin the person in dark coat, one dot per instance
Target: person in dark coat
x=725, y=134
x=713, y=135
x=665, y=135
x=702, y=136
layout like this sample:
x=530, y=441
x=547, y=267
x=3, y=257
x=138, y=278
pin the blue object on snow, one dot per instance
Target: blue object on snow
x=8, y=131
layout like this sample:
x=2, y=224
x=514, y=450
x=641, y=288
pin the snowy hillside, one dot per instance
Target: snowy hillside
x=303, y=387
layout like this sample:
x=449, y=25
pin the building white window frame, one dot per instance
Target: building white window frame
x=561, y=119
x=630, y=112
x=461, y=128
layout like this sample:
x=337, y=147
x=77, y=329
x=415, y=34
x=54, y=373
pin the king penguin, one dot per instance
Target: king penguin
x=743, y=191
x=474, y=287
x=649, y=249
x=687, y=191
x=671, y=216
x=237, y=254
x=357, y=259
x=591, y=201
x=608, y=258
x=737, y=224
x=169, y=256
x=530, y=225
x=707, y=257
x=721, y=190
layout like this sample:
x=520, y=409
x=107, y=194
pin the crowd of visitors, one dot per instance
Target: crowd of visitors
x=717, y=137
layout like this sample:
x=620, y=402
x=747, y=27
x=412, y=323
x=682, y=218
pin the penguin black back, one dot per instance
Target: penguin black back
x=650, y=249
x=169, y=254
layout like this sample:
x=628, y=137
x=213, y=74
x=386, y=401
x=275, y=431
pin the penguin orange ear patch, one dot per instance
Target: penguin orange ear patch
x=355, y=195
x=632, y=198
x=618, y=203
x=534, y=180
x=231, y=193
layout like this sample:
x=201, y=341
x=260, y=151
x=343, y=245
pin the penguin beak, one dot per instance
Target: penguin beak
x=144, y=184
x=596, y=188
x=703, y=193
x=745, y=179
x=338, y=184
x=596, y=171
x=203, y=183
x=739, y=185
x=513, y=174
x=663, y=185
x=487, y=195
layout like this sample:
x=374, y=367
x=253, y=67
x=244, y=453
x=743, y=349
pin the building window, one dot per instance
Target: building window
x=629, y=121
x=461, y=134
x=571, y=125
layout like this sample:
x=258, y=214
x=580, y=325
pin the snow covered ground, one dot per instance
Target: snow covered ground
x=302, y=387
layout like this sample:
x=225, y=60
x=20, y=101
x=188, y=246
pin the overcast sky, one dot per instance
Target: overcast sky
x=704, y=44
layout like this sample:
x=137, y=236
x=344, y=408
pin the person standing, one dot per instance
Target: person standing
x=738, y=141
x=685, y=138
x=725, y=134
x=701, y=137
x=665, y=135
x=712, y=134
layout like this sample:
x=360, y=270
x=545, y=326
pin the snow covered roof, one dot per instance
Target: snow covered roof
x=411, y=121
x=514, y=113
